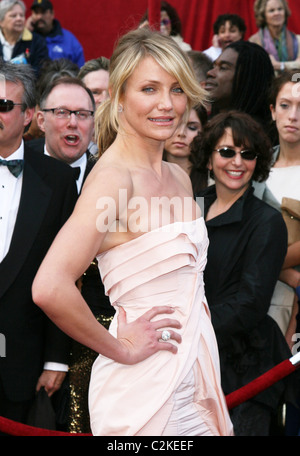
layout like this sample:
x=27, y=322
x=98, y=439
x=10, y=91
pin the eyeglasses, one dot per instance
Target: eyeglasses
x=228, y=152
x=8, y=105
x=165, y=22
x=63, y=113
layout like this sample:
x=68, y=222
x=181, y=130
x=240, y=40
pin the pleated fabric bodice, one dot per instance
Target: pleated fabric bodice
x=161, y=267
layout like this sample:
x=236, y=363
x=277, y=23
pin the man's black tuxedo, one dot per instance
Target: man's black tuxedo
x=47, y=199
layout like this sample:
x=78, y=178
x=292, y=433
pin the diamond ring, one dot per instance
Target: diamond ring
x=166, y=335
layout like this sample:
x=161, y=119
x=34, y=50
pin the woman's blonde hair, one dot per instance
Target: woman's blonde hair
x=130, y=50
x=260, y=9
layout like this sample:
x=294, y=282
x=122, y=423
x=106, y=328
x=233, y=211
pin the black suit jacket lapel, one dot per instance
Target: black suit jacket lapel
x=35, y=197
x=91, y=161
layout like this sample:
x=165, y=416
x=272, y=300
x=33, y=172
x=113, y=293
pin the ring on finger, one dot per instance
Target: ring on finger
x=166, y=335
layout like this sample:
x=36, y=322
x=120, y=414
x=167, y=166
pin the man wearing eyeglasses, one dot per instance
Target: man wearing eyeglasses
x=66, y=116
x=37, y=195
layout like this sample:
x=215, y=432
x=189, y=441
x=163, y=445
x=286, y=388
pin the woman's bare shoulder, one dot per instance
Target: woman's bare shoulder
x=180, y=175
x=107, y=176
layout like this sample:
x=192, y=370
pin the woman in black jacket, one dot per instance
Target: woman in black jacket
x=247, y=246
x=17, y=43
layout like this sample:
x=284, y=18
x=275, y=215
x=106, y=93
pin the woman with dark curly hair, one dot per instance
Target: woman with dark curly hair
x=170, y=24
x=247, y=246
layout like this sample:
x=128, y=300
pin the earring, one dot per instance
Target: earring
x=120, y=108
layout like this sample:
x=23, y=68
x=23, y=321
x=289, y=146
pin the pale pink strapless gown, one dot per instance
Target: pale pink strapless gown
x=166, y=394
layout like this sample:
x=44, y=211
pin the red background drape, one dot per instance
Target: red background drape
x=98, y=23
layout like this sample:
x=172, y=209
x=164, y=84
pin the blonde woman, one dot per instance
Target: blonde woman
x=137, y=215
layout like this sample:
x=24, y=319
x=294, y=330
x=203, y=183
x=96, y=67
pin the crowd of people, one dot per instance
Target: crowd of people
x=136, y=310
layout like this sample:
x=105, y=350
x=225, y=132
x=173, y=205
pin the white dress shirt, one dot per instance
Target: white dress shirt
x=213, y=52
x=7, y=49
x=80, y=163
x=284, y=182
x=10, y=193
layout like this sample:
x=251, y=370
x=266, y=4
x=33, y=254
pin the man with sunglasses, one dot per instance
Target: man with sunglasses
x=37, y=195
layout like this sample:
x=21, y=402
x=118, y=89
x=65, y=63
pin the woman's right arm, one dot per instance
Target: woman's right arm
x=288, y=274
x=76, y=245
x=293, y=256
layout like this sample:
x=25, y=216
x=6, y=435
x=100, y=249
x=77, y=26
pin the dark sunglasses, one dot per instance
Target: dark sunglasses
x=8, y=105
x=227, y=152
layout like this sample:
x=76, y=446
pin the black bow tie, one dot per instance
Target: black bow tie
x=77, y=172
x=14, y=166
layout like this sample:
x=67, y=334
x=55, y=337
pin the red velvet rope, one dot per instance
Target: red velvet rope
x=10, y=427
x=260, y=384
x=233, y=399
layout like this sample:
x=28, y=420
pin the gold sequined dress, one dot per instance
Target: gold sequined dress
x=82, y=358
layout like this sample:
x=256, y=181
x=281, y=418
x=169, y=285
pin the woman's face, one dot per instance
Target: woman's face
x=165, y=23
x=286, y=112
x=275, y=13
x=179, y=144
x=233, y=174
x=14, y=20
x=153, y=102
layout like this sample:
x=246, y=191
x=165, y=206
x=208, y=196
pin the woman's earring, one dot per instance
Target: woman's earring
x=120, y=108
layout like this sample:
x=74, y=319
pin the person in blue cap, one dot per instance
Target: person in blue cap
x=61, y=42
